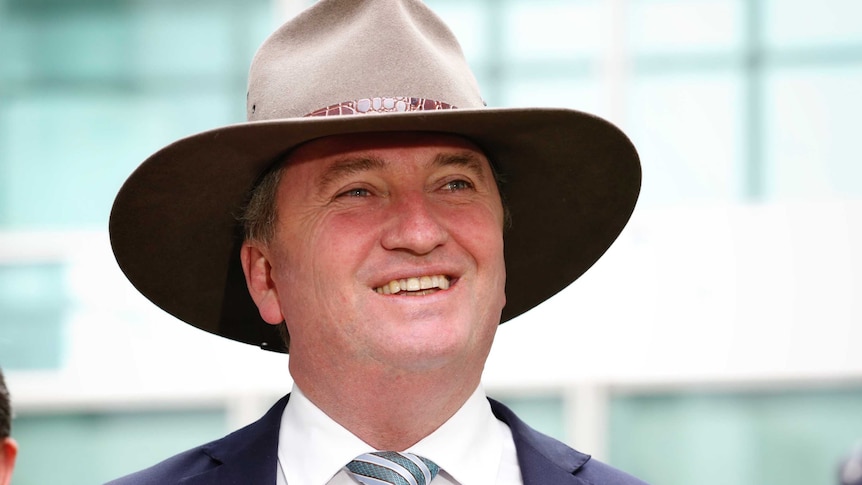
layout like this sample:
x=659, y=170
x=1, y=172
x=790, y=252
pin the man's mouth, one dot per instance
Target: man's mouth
x=415, y=286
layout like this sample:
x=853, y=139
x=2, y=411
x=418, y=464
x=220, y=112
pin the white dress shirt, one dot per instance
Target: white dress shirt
x=472, y=448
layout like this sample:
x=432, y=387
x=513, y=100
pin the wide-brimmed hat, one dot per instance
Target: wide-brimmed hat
x=570, y=179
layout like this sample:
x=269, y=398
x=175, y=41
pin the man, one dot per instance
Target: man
x=360, y=221
x=8, y=447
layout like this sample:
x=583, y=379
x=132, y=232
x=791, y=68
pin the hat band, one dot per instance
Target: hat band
x=400, y=104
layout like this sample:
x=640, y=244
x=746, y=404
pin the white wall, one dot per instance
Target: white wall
x=704, y=294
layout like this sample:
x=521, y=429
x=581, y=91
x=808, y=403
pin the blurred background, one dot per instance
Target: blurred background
x=718, y=341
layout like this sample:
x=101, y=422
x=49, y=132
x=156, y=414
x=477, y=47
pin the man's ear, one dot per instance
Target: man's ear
x=8, y=452
x=258, y=277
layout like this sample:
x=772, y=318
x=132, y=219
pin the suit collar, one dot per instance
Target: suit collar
x=542, y=459
x=248, y=455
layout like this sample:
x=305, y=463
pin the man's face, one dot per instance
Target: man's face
x=388, y=252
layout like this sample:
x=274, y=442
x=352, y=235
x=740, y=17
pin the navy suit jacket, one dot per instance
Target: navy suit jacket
x=249, y=457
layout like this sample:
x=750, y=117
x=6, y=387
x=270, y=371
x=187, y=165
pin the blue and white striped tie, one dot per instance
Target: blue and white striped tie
x=393, y=468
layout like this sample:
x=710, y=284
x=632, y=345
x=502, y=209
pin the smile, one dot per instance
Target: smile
x=415, y=286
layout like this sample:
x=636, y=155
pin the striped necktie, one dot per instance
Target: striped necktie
x=393, y=468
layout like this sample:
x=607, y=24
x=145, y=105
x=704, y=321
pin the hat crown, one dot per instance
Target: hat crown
x=343, y=51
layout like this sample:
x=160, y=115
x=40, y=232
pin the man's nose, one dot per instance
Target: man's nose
x=413, y=225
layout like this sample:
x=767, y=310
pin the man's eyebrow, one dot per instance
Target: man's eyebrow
x=465, y=159
x=348, y=166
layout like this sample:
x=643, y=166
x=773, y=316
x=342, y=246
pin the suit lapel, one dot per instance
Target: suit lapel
x=249, y=455
x=543, y=460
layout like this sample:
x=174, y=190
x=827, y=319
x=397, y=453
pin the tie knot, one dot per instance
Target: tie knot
x=391, y=467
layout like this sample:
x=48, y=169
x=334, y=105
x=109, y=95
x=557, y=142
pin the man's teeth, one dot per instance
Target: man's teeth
x=414, y=284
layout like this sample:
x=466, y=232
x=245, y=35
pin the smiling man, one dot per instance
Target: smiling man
x=375, y=220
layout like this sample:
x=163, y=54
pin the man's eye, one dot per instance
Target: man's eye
x=355, y=193
x=457, y=185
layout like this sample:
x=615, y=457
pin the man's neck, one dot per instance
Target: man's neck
x=390, y=411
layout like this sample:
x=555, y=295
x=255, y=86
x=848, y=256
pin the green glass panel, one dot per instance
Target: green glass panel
x=90, y=88
x=96, y=140
x=90, y=448
x=65, y=42
x=185, y=40
x=128, y=41
x=788, y=438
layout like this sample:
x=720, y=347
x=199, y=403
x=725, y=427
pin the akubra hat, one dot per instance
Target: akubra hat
x=570, y=179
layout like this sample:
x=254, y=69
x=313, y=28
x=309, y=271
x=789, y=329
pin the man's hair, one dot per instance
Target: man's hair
x=260, y=213
x=259, y=216
x=5, y=409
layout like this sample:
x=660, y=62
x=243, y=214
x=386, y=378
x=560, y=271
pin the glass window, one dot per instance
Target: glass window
x=60, y=42
x=687, y=128
x=65, y=154
x=552, y=30
x=184, y=40
x=790, y=437
x=89, y=448
x=812, y=131
x=582, y=93
x=684, y=26
x=806, y=24
x=91, y=89
x=469, y=23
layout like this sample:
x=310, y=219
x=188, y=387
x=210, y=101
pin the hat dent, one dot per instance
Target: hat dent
x=339, y=51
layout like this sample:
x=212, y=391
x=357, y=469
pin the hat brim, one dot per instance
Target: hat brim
x=571, y=181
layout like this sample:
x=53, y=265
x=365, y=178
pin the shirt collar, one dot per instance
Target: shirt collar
x=312, y=447
x=469, y=445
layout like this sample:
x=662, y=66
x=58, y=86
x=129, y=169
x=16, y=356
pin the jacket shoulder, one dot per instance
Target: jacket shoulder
x=171, y=470
x=544, y=460
x=598, y=473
